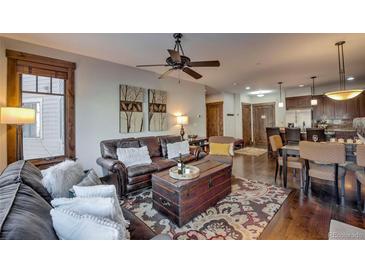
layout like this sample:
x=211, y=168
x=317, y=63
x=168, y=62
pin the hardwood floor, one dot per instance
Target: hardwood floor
x=302, y=217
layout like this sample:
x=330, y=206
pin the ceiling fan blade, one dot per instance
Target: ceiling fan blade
x=175, y=55
x=205, y=64
x=157, y=65
x=192, y=73
x=165, y=73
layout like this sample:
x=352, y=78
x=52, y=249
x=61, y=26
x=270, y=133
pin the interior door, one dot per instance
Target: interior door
x=214, y=119
x=263, y=116
x=246, y=123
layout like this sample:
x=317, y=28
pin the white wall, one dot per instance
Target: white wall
x=231, y=105
x=97, y=99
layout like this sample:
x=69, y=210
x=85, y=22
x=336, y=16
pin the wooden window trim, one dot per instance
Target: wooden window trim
x=19, y=63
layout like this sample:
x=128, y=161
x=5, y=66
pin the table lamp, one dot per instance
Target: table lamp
x=17, y=116
x=182, y=120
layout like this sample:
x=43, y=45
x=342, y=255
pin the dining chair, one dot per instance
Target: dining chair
x=292, y=135
x=316, y=131
x=322, y=161
x=292, y=162
x=270, y=131
x=360, y=174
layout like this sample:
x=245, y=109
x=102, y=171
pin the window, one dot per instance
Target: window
x=46, y=85
x=45, y=138
x=33, y=130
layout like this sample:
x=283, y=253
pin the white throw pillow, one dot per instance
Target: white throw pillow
x=95, y=206
x=60, y=178
x=134, y=156
x=71, y=226
x=91, y=179
x=104, y=191
x=174, y=149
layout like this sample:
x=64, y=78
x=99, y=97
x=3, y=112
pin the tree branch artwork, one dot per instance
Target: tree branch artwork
x=131, y=109
x=157, y=115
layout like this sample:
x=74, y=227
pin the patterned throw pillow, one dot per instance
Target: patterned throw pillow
x=95, y=206
x=174, y=149
x=134, y=156
x=71, y=226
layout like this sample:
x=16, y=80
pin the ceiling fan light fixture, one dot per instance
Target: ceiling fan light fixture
x=343, y=93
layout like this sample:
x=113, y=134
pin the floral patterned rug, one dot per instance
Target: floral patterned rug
x=242, y=215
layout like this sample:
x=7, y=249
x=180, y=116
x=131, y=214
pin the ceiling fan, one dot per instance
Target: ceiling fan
x=178, y=61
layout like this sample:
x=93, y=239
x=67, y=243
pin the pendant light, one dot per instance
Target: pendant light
x=314, y=102
x=281, y=104
x=343, y=93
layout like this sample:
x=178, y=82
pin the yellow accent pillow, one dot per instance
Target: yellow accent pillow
x=219, y=149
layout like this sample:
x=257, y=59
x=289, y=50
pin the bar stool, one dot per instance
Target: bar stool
x=316, y=131
x=360, y=174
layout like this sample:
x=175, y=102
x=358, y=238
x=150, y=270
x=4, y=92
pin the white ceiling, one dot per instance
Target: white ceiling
x=256, y=60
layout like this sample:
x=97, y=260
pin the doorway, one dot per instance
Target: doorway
x=214, y=112
x=263, y=117
x=246, y=124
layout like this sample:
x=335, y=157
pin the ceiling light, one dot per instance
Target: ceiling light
x=314, y=102
x=301, y=85
x=350, y=78
x=260, y=92
x=281, y=104
x=260, y=95
x=343, y=93
x=247, y=88
x=235, y=84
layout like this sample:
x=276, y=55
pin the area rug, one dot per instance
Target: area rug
x=252, y=151
x=242, y=215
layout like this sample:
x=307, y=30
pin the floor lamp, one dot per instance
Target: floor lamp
x=17, y=116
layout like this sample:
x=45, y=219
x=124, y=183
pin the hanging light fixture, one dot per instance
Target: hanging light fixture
x=343, y=93
x=314, y=102
x=281, y=104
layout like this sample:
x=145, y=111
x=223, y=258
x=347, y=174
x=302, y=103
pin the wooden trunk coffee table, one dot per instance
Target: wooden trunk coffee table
x=181, y=200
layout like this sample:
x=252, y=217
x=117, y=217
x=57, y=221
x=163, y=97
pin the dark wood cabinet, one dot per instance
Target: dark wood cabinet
x=318, y=110
x=327, y=108
x=298, y=102
x=362, y=105
x=340, y=110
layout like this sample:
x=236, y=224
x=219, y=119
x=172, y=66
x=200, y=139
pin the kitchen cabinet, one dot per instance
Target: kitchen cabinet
x=318, y=110
x=328, y=108
x=353, y=107
x=362, y=104
x=340, y=110
x=298, y=102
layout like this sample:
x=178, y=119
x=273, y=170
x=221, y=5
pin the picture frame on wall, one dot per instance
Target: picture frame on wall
x=131, y=116
x=157, y=110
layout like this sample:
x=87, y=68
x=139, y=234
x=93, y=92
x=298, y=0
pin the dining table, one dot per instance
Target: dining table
x=293, y=150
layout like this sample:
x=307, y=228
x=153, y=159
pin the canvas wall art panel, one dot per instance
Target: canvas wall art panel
x=157, y=114
x=131, y=109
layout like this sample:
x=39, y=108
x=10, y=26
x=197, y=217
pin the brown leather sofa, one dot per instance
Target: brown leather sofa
x=25, y=207
x=139, y=176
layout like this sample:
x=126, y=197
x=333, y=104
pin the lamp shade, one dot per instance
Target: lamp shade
x=182, y=120
x=17, y=116
x=344, y=94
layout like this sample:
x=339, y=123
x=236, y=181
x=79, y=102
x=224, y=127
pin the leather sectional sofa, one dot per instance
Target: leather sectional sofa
x=139, y=176
x=25, y=206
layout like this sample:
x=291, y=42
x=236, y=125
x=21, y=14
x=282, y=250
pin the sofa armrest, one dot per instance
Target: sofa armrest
x=118, y=168
x=195, y=150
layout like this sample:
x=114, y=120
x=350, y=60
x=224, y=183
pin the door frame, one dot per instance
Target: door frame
x=220, y=104
x=242, y=107
x=272, y=104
